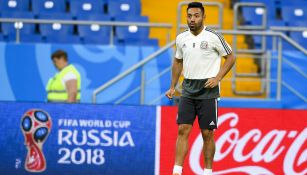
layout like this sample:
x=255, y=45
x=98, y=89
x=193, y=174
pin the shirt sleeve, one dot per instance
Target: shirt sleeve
x=179, y=54
x=222, y=46
x=69, y=76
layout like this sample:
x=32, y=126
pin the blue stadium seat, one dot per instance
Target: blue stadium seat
x=253, y=16
x=1, y=38
x=10, y=28
x=58, y=33
x=45, y=6
x=140, y=42
x=297, y=3
x=86, y=7
x=63, y=39
x=26, y=38
x=297, y=23
x=270, y=5
x=94, y=34
x=132, y=32
x=291, y=13
x=14, y=5
x=276, y=23
x=124, y=8
x=133, y=35
x=56, y=29
x=300, y=37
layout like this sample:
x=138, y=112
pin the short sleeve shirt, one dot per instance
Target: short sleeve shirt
x=201, y=54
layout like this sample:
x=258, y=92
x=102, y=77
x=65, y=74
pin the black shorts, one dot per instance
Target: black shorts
x=205, y=109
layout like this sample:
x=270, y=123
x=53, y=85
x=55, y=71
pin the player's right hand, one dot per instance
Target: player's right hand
x=169, y=94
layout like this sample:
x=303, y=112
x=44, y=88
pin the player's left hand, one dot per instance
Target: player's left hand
x=211, y=83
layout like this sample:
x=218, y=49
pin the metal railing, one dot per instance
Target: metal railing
x=179, y=26
x=288, y=28
x=130, y=70
x=247, y=31
x=82, y=22
x=214, y=4
x=285, y=29
x=256, y=53
x=235, y=32
x=142, y=87
x=232, y=32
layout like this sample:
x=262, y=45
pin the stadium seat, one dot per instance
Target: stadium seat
x=63, y=39
x=14, y=5
x=56, y=32
x=124, y=8
x=94, y=34
x=1, y=38
x=291, y=13
x=140, y=42
x=253, y=16
x=300, y=37
x=10, y=28
x=132, y=32
x=280, y=23
x=78, y=7
x=55, y=29
x=26, y=38
x=45, y=6
x=297, y=3
x=270, y=5
x=297, y=23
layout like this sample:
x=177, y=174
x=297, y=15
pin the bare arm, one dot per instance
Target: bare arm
x=72, y=90
x=212, y=82
x=176, y=72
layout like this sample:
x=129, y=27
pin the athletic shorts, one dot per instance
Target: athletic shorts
x=205, y=109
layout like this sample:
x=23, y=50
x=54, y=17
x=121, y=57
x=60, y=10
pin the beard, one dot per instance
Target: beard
x=195, y=26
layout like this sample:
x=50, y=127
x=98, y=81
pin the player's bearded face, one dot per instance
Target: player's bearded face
x=195, y=19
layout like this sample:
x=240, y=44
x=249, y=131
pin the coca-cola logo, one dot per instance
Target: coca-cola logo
x=254, y=148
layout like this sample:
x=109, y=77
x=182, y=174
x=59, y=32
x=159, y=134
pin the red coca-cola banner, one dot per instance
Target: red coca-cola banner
x=248, y=142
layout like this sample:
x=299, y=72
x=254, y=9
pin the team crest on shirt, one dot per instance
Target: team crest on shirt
x=204, y=45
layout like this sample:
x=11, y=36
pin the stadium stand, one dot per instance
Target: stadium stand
x=101, y=10
x=123, y=123
x=245, y=64
x=280, y=13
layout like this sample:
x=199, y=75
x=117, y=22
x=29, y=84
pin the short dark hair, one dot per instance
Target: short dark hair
x=196, y=5
x=58, y=54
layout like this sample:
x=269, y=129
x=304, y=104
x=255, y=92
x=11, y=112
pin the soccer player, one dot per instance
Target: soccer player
x=198, y=53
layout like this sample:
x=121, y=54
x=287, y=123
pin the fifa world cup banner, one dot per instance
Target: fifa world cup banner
x=75, y=139
x=248, y=142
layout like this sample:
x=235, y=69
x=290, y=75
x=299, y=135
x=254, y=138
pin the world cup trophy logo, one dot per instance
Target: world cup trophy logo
x=36, y=126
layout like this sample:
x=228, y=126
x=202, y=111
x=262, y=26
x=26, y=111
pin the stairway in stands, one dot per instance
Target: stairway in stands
x=166, y=12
